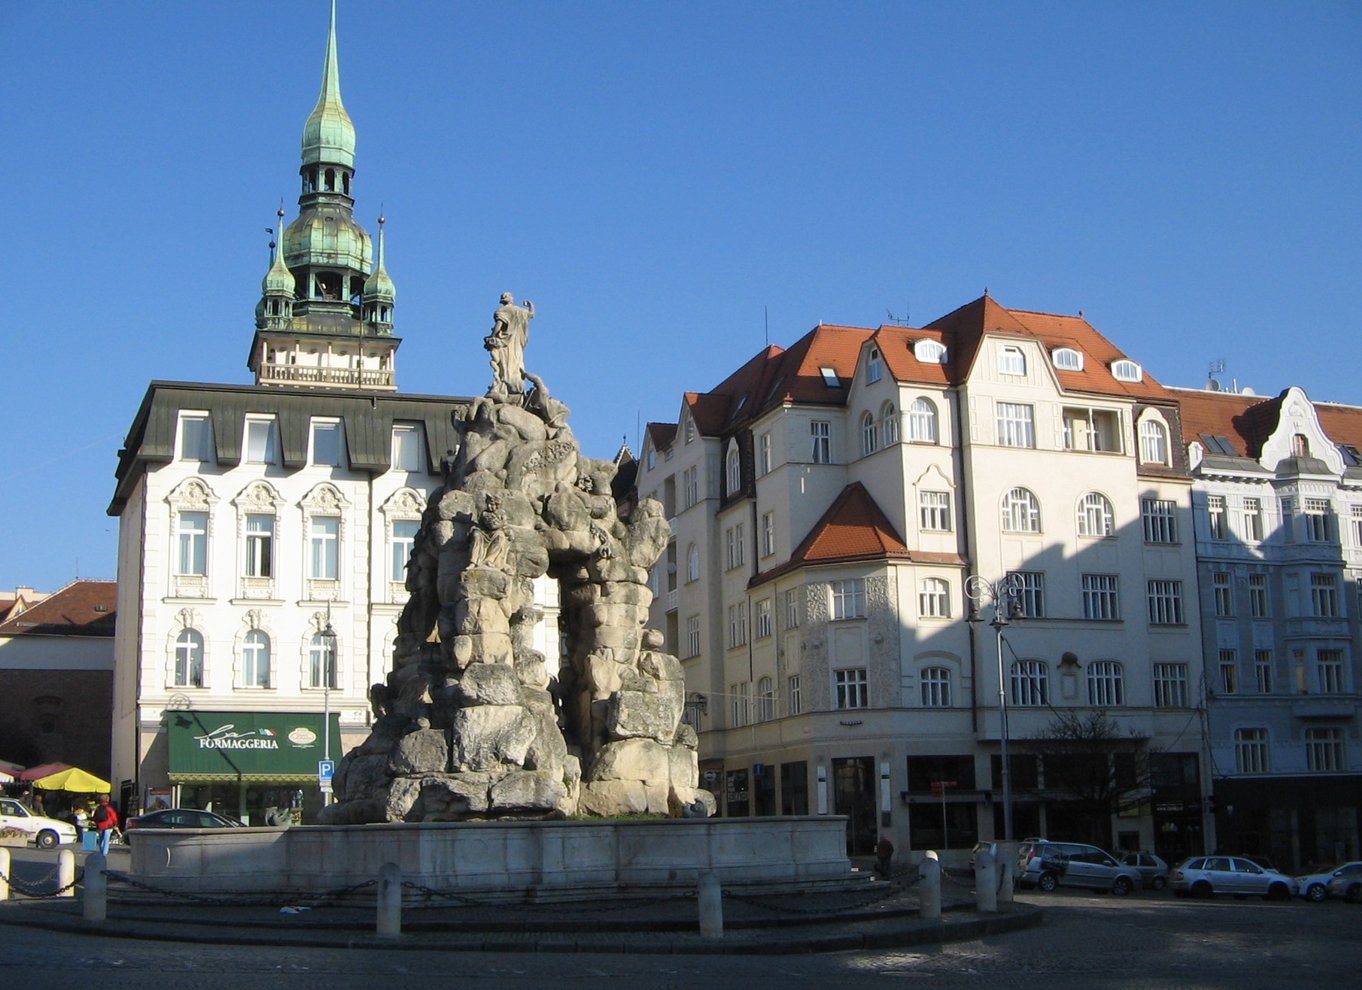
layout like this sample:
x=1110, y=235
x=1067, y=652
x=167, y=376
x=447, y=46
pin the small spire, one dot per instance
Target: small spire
x=329, y=134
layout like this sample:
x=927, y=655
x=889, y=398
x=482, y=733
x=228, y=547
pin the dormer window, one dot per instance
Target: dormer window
x=1127, y=371
x=830, y=378
x=929, y=351
x=1067, y=359
x=688, y=428
x=1011, y=361
x=874, y=368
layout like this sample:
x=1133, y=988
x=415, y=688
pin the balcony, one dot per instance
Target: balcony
x=671, y=600
x=1331, y=706
x=292, y=374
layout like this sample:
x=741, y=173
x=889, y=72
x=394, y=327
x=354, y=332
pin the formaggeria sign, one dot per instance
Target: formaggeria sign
x=248, y=745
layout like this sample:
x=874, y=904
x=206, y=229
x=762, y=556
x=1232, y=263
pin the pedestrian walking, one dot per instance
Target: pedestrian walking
x=106, y=822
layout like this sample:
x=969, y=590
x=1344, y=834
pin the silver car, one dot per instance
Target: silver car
x=1206, y=876
x=1347, y=883
x=1047, y=865
x=1315, y=886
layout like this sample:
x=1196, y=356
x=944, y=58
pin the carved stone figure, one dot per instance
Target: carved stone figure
x=472, y=722
x=506, y=343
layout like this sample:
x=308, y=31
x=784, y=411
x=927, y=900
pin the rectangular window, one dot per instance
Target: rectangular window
x=196, y=437
x=934, y=511
x=848, y=599
x=1030, y=686
x=737, y=624
x=768, y=533
x=1215, y=515
x=1016, y=426
x=1289, y=518
x=404, y=538
x=735, y=546
x=1262, y=671
x=692, y=636
x=322, y=664
x=1250, y=751
x=262, y=442
x=1324, y=595
x=1158, y=517
x=1324, y=750
x=406, y=452
x=936, y=687
x=1170, y=685
x=1329, y=664
x=1030, y=587
x=1357, y=525
x=1317, y=520
x=324, y=548
x=1253, y=519
x=764, y=454
x=1229, y=672
x=191, y=558
x=791, y=609
x=1165, y=603
x=1100, y=599
x=690, y=486
x=1224, y=594
x=326, y=444
x=1257, y=589
x=763, y=620
x=792, y=690
x=934, y=600
x=852, y=688
x=820, y=432
x=259, y=546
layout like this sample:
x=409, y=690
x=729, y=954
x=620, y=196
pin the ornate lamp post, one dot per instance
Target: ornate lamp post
x=1005, y=598
x=328, y=675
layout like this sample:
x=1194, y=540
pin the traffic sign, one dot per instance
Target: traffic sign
x=326, y=769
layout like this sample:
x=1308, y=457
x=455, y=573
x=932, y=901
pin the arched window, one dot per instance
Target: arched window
x=766, y=700
x=189, y=659
x=934, y=599
x=889, y=423
x=693, y=563
x=922, y=421
x=1095, y=517
x=869, y=434
x=1105, y=687
x=1011, y=361
x=255, y=659
x=936, y=687
x=321, y=662
x=1153, y=442
x=929, y=351
x=1067, y=359
x=1021, y=512
x=1126, y=370
x=874, y=368
x=1030, y=686
x=734, y=468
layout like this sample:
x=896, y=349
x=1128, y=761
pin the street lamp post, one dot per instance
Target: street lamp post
x=328, y=674
x=1005, y=598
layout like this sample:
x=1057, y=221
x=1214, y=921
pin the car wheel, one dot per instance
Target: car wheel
x=1202, y=889
x=1158, y=883
x=1277, y=892
x=1316, y=893
x=1353, y=894
x=47, y=839
x=1122, y=886
x=1048, y=882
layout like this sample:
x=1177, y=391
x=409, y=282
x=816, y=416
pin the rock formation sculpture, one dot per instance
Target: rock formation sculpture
x=470, y=723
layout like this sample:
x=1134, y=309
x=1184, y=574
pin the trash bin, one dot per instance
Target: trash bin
x=89, y=840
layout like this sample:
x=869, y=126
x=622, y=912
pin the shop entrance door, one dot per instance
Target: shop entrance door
x=854, y=796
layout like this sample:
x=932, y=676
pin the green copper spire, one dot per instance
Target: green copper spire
x=329, y=134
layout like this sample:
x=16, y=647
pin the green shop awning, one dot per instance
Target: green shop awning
x=270, y=747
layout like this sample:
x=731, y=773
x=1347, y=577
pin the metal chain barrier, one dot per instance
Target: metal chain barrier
x=759, y=901
x=33, y=892
x=626, y=904
x=320, y=899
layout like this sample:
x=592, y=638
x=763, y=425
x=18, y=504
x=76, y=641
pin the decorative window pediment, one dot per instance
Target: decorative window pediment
x=192, y=494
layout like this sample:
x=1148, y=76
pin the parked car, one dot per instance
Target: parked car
x=183, y=818
x=1152, y=869
x=1047, y=865
x=1347, y=883
x=1205, y=876
x=45, y=833
x=1315, y=886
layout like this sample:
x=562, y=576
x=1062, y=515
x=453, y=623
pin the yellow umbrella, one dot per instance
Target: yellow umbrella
x=73, y=779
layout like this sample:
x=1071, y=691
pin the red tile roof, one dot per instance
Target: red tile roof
x=853, y=528
x=1247, y=421
x=82, y=608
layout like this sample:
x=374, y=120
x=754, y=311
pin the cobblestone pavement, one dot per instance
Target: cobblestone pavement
x=1144, y=941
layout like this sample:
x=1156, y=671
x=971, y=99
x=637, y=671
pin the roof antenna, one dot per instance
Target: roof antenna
x=766, y=316
x=899, y=321
x=1217, y=368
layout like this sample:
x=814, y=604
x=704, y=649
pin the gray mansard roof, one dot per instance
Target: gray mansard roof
x=368, y=419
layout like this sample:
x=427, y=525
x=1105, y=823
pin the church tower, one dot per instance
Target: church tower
x=325, y=316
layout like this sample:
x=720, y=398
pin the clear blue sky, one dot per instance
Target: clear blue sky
x=663, y=180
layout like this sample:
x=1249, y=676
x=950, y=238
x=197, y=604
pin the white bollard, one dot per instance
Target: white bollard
x=66, y=873
x=95, y=898
x=4, y=874
x=711, y=898
x=389, y=901
x=1007, y=872
x=929, y=887
x=986, y=882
